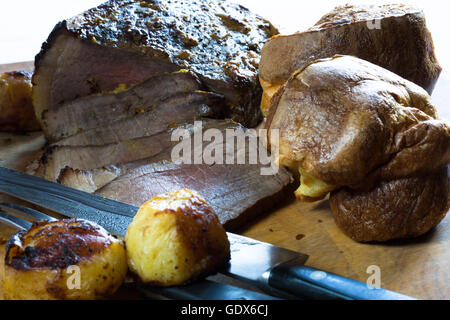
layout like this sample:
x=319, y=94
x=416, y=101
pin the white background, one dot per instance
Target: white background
x=25, y=24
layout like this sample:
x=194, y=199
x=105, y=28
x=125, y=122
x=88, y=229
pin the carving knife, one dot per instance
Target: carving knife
x=275, y=270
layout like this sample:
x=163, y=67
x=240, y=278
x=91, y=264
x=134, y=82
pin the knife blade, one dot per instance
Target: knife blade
x=274, y=269
x=112, y=215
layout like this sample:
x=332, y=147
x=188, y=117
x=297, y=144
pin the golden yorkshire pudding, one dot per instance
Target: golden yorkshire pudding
x=175, y=238
x=345, y=122
x=402, y=208
x=393, y=36
x=66, y=259
x=16, y=108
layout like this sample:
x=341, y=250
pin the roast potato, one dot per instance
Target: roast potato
x=16, y=108
x=175, y=238
x=66, y=259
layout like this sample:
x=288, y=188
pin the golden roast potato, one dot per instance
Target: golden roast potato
x=66, y=259
x=16, y=108
x=175, y=238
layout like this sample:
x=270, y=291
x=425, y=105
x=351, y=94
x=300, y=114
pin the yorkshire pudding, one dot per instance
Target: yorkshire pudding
x=345, y=122
x=400, y=208
x=393, y=36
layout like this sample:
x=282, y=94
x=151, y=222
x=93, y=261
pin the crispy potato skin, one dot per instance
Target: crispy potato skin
x=16, y=108
x=39, y=263
x=175, y=238
x=401, y=208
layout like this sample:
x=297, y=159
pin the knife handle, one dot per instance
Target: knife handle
x=309, y=283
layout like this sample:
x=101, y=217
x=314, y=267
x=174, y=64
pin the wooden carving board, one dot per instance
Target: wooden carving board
x=419, y=267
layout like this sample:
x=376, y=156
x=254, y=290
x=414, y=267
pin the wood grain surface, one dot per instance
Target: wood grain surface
x=417, y=267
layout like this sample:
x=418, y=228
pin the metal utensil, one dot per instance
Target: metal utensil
x=272, y=268
x=200, y=290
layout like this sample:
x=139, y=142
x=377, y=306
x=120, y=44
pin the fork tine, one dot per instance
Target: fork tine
x=25, y=212
x=14, y=221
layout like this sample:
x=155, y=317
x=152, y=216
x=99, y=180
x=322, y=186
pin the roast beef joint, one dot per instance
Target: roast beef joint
x=113, y=83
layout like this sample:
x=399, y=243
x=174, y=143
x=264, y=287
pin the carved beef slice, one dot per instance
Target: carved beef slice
x=143, y=131
x=151, y=99
x=237, y=192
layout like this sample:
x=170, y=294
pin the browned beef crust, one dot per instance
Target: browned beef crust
x=123, y=42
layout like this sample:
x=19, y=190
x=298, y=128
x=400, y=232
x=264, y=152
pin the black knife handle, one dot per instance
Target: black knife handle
x=309, y=283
